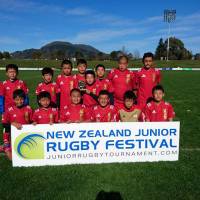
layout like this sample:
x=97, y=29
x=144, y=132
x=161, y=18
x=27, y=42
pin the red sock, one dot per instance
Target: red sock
x=6, y=138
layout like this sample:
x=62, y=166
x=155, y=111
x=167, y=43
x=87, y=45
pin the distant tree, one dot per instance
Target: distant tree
x=36, y=55
x=160, y=50
x=114, y=55
x=100, y=56
x=130, y=56
x=1, y=55
x=197, y=56
x=6, y=54
x=177, y=51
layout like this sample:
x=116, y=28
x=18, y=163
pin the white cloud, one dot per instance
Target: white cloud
x=104, y=35
x=5, y=40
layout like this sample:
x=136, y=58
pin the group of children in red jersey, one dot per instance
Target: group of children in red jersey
x=88, y=96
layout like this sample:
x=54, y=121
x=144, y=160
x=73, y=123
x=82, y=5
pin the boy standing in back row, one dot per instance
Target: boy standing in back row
x=146, y=78
x=122, y=80
x=65, y=83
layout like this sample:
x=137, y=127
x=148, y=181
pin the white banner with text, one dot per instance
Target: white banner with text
x=90, y=143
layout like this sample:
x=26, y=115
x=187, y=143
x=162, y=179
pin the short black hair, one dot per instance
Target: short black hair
x=147, y=54
x=47, y=70
x=99, y=65
x=12, y=66
x=158, y=87
x=123, y=57
x=44, y=94
x=81, y=61
x=75, y=90
x=104, y=92
x=130, y=95
x=90, y=72
x=66, y=62
x=19, y=93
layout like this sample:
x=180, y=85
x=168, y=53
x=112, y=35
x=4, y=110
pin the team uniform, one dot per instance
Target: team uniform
x=45, y=115
x=1, y=98
x=121, y=82
x=105, y=84
x=20, y=115
x=65, y=85
x=9, y=87
x=146, y=79
x=74, y=113
x=129, y=115
x=78, y=78
x=158, y=112
x=88, y=99
x=103, y=114
x=52, y=88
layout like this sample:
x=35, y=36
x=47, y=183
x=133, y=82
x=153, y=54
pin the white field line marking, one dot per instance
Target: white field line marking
x=190, y=149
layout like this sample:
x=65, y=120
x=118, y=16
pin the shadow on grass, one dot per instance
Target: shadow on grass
x=102, y=195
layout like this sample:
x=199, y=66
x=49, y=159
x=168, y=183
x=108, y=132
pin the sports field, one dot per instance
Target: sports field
x=158, y=180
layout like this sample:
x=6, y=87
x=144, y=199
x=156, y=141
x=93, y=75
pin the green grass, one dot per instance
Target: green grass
x=158, y=180
x=134, y=63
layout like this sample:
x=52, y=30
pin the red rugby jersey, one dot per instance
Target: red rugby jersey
x=52, y=88
x=103, y=114
x=20, y=115
x=121, y=82
x=105, y=84
x=154, y=112
x=88, y=100
x=146, y=79
x=45, y=115
x=65, y=85
x=74, y=113
x=9, y=87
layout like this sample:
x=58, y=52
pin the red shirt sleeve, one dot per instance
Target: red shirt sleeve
x=63, y=116
x=37, y=91
x=57, y=88
x=30, y=112
x=25, y=88
x=158, y=76
x=134, y=80
x=110, y=75
x=1, y=89
x=6, y=118
x=35, y=117
x=146, y=114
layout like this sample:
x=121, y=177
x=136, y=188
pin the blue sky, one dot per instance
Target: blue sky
x=107, y=25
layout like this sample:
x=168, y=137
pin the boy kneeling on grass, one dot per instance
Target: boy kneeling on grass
x=158, y=110
x=129, y=112
x=45, y=114
x=16, y=115
x=103, y=112
x=75, y=112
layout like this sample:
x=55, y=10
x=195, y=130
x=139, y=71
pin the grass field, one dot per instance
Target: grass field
x=133, y=63
x=158, y=180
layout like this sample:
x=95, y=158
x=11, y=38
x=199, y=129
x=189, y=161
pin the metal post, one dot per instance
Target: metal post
x=169, y=17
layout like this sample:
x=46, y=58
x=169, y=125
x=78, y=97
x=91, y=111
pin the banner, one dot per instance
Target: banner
x=89, y=143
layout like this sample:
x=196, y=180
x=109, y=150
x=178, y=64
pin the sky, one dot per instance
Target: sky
x=106, y=25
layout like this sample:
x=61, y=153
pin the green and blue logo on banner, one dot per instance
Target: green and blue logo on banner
x=30, y=145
